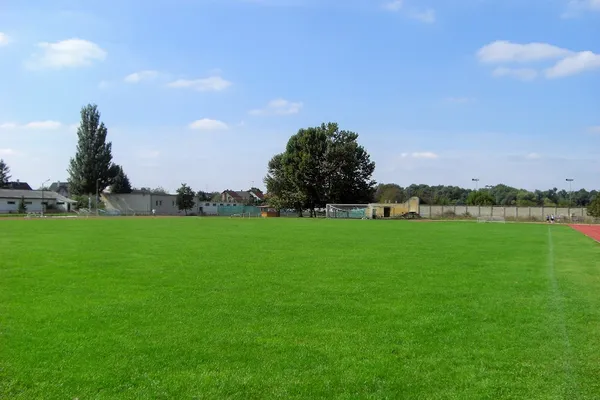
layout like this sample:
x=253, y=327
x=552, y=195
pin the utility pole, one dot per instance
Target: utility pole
x=476, y=180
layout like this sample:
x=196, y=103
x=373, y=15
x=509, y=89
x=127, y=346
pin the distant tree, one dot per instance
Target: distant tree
x=320, y=165
x=120, y=183
x=185, y=198
x=92, y=166
x=4, y=174
x=480, y=198
x=593, y=208
x=389, y=193
x=526, y=198
x=159, y=190
x=22, y=206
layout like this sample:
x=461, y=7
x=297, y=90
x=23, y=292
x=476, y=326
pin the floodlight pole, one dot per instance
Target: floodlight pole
x=570, y=180
x=46, y=181
x=476, y=180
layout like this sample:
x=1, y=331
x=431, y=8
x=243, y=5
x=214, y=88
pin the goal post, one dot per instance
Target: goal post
x=346, y=211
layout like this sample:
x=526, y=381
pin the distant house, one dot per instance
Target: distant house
x=18, y=186
x=61, y=188
x=34, y=201
x=241, y=197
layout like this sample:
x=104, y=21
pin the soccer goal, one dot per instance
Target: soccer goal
x=348, y=211
x=501, y=220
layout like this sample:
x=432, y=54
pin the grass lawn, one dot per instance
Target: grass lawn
x=192, y=308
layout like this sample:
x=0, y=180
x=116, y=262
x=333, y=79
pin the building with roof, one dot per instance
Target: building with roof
x=34, y=201
x=18, y=185
x=242, y=196
x=61, y=188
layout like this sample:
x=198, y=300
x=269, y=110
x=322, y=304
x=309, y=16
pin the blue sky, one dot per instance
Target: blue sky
x=205, y=92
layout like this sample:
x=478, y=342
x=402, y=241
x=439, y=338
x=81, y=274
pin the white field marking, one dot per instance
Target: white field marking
x=556, y=300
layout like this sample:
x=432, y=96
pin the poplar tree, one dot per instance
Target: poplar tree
x=92, y=167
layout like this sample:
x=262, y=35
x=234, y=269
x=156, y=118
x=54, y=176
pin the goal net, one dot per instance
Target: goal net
x=491, y=219
x=349, y=211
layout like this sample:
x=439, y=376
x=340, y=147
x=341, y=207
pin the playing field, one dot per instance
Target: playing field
x=192, y=308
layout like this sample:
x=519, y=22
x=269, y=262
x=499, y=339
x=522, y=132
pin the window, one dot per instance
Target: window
x=207, y=204
x=173, y=203
x=60, y=203
x=28, y=202
x=159, y=202
x=11, y=202
x=221, y=205
x=214, y=204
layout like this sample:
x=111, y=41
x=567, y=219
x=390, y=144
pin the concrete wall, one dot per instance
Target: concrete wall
x=521, y=213
x=164, y=204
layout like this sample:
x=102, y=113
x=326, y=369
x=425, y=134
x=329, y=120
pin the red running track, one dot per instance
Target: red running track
x=592, y=231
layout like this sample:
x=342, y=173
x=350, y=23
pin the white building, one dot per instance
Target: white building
x=10, y=199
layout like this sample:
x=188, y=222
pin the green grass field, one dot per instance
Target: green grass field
x=192, y=308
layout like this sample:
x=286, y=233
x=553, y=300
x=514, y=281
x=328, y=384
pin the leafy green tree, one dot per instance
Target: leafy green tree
x=4, y=174
x=593, y=209
x=185, y=198
x=320, y=165
x=526, y=198
x=389, y=193
x=282, y=191
x=480, y=198
x=22, y=206
x=92, y=165
x=120, y=183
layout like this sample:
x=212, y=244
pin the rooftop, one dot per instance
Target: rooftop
x=32, y=195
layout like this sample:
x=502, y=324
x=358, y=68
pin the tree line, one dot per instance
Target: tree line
x=501, y=195
x=319, y=165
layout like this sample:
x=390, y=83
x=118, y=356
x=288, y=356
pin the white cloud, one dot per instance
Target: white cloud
x=207, y=124
x=212, y=83
x=4, y=39
x=394, y=5
x=427, y=16
x=279, y=107
x=423, y=154
x=7, y=152
x=34, y=125
x=524, y=74
x=68, y=53
x=576, y=7
x=566, y=62
x=502, y=51
x=43, y=125
x=141, y=76
x=103, y=84
x=574, y=64
x=533, y=156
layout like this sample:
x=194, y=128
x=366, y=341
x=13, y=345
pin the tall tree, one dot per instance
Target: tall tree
x=4, y=174
x=120, y=183
x=320, y=165
x=185, y=198
x=92, y=165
